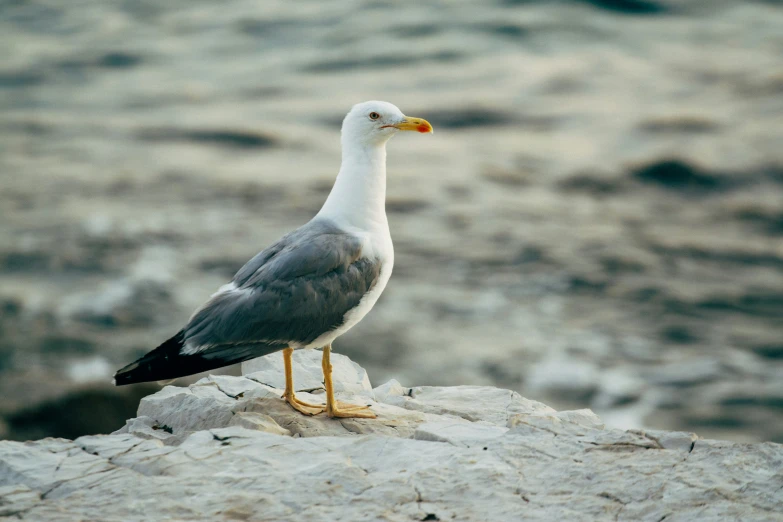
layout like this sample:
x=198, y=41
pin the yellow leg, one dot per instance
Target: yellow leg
x=340, y=409
x=289, y=396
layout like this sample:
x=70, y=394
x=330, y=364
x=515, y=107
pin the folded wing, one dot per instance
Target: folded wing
x=288, y=295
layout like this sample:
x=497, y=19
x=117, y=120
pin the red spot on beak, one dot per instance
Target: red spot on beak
x=423, y=128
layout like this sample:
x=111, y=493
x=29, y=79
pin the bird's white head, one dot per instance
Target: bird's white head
x=374, y=122
x=359, y=194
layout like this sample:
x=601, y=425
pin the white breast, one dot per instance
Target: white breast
x=382, y=250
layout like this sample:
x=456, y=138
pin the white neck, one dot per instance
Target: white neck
x=358, y=197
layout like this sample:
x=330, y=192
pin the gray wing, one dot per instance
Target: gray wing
x=292, y=292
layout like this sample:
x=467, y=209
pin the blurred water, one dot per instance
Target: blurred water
x=596, y=222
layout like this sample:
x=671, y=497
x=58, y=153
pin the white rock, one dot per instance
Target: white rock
x=257, y=421
x=148, y=428
x=391, y=392
x=458, y=432
x=193, y=408
x=391, y=421
x=584, y=418
x=234, y=387
x=432, y=454
x=308, y=374
x=674, y=440
x=473, y=403
x=16, y=499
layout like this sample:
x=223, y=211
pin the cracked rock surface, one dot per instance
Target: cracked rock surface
x=596, y=222
x=228, y=448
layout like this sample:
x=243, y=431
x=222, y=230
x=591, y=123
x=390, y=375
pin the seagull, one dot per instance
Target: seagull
x=308, y=288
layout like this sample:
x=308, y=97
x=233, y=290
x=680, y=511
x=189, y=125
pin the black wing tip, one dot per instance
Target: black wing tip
x=125, y=375
x=167, y=362
x=159, y=364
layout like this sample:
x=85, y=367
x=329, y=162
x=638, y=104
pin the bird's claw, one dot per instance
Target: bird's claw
x=346, y=410
x=303, y=407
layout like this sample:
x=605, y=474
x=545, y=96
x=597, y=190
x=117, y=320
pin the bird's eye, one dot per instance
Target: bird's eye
x=374, y=115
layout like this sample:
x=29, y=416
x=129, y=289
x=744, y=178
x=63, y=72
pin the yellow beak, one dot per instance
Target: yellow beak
x=413, y=124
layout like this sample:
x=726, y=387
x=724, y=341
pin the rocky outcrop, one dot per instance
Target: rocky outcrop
x=227, y=448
